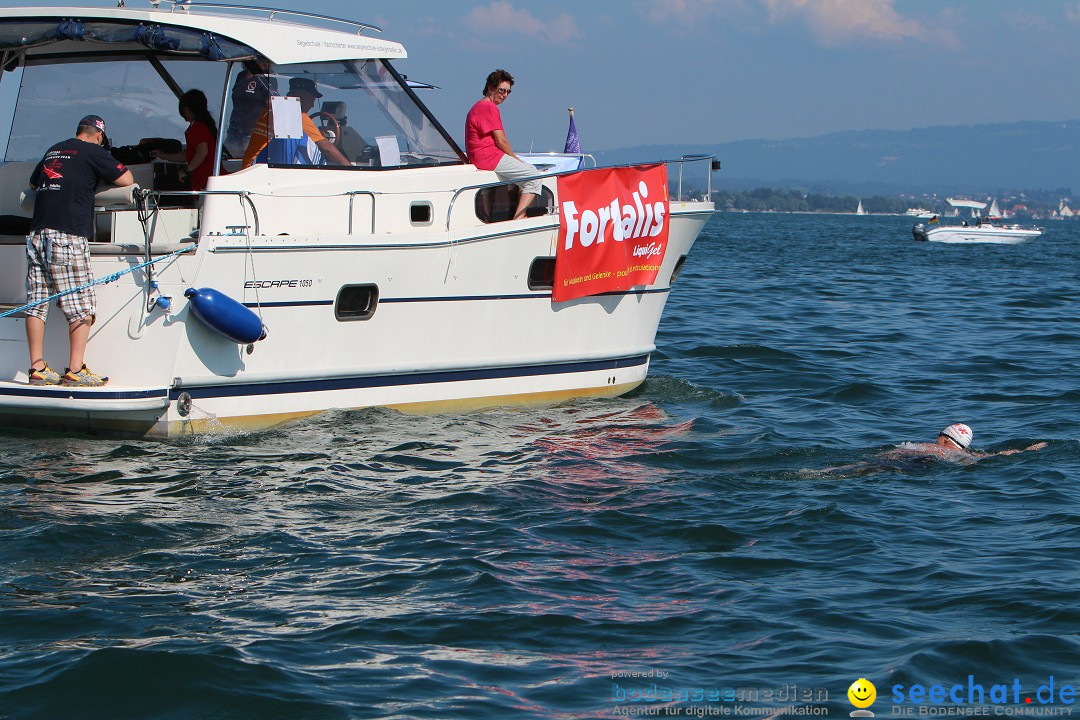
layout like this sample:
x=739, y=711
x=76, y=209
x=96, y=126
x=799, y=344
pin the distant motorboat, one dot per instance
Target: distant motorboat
x=920, y=213
x=983, y=229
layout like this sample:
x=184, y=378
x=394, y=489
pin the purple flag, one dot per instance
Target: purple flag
x=573, y=143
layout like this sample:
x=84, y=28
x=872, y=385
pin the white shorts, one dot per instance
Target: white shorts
x=510, y=168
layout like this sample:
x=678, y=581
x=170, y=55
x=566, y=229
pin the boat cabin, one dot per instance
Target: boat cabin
x=132, y=67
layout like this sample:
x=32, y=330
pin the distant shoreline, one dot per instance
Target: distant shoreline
x=914, y=218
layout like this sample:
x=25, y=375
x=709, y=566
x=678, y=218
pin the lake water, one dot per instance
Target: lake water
x=526, y=563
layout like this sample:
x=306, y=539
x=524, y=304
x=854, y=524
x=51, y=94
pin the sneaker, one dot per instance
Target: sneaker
x=82, y=378
x=44, y=376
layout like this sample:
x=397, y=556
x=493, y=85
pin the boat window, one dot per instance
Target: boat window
x=367, y=113
x=356, y=302
x=542, y=274
x=420, y=213
x=496, y=204
x=136, y=99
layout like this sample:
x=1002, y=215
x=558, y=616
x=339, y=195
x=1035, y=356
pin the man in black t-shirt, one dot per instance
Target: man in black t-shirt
x=251, y=95
x=58, y=258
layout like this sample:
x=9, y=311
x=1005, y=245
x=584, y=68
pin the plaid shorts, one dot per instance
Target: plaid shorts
x=57, y=262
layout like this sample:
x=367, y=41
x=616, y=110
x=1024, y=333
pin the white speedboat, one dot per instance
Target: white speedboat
x=398, y=280
x=979, y=229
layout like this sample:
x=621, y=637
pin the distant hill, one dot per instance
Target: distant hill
x=942, y=159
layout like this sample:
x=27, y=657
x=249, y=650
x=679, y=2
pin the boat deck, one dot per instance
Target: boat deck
x=110, y=398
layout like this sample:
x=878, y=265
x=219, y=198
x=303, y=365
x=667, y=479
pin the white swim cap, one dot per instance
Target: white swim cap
x=959, y=434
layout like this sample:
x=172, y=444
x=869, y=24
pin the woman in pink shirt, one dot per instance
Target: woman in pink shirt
x=487, y=146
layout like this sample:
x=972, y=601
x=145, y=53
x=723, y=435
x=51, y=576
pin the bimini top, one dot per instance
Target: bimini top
x=973, y=204
x=215, y=31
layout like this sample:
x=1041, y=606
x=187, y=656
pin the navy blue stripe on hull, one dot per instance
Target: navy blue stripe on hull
x=95, y=394
x=457, y=298
x=515, y=297
x=428, y=378
x=289, y=303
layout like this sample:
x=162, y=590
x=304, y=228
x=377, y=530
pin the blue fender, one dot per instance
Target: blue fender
x=226, y=316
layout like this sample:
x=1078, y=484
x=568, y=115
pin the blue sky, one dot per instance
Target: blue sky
x=709, y=71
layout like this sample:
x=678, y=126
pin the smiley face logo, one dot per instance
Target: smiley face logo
x=862, y=693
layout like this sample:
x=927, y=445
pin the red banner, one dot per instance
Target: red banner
x=613, y=230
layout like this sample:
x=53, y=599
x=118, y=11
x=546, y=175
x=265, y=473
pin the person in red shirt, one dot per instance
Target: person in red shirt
x=200, y=139
x=487, y=146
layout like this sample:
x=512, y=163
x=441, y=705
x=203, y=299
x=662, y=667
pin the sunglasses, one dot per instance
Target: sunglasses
x=503, y=91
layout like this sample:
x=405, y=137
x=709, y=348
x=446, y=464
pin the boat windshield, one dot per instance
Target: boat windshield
x=135, y=96
x=365, y=108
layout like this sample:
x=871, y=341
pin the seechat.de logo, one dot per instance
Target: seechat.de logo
x=862, y=694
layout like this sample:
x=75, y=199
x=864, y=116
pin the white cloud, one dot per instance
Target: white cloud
x=1072, y=12
x=500, y=18
x=690, y=13
x=836, y=22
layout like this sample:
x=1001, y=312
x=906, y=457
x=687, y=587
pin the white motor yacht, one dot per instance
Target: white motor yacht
x=288, y=287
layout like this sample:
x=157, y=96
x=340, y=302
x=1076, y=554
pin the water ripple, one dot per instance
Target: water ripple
x=749, y=517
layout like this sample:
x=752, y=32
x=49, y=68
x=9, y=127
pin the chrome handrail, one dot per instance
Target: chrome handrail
x=352, y=196
x=186, y=4
x=713, y=166
x=453, y=199
x=243, y=194
x=247, y=195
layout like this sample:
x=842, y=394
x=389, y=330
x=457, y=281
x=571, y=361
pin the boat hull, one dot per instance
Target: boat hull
x=456, y=327
x=139, y=412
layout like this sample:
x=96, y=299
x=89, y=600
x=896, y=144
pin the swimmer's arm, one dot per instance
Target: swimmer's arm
x=1036, y=446
x=853, y=466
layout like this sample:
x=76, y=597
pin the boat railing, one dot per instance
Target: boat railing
x=714, y=165
x=244, y=195
x=184, y=5
x=248, y=197
x=352, y=197
x=499, y=183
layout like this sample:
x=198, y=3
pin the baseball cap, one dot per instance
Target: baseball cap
x=97, y=123
x=93, y=121
x=301, y=83
x=959, y=434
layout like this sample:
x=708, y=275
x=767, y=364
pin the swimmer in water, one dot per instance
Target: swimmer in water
x=953, y=440
x=953, y=444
